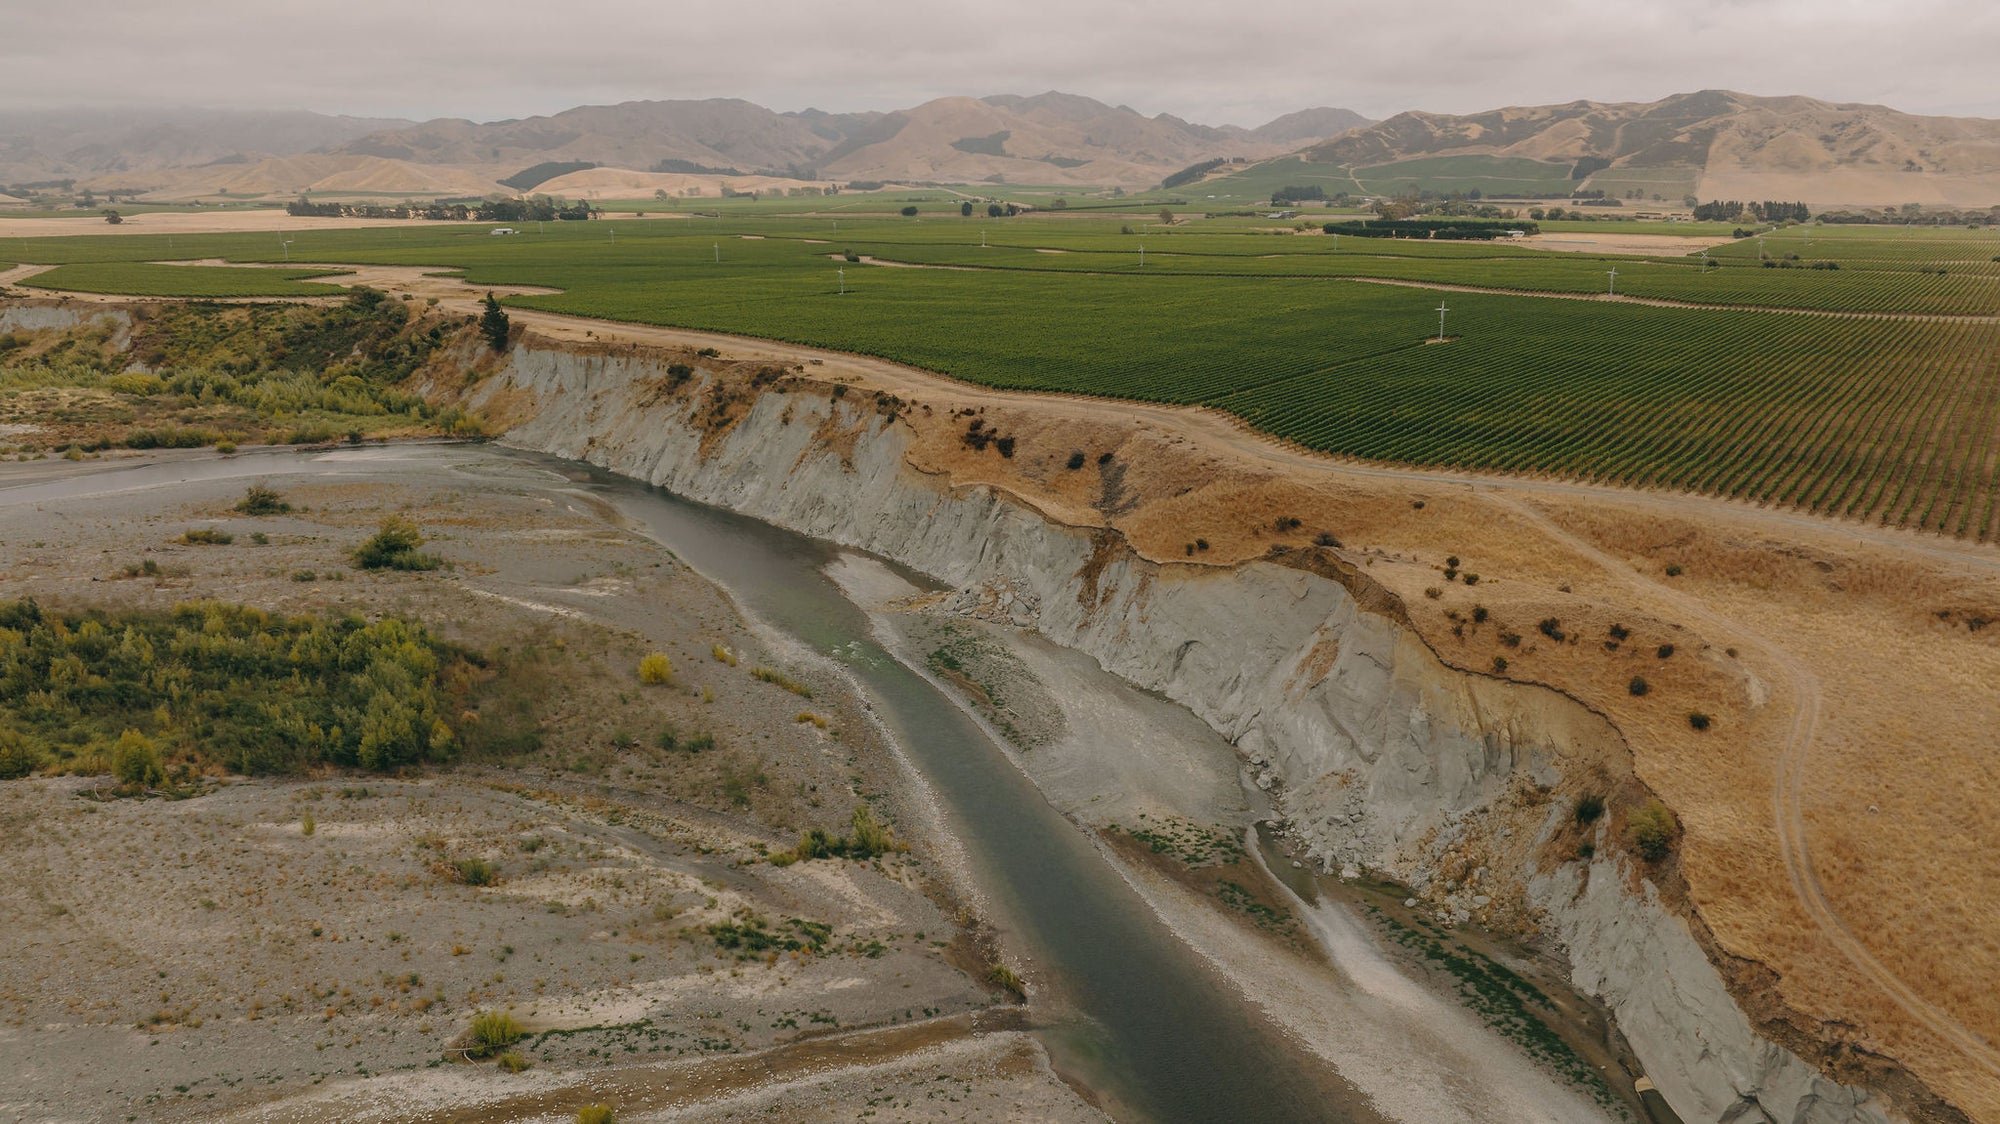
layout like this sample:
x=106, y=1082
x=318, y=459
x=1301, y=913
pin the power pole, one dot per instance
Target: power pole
x=1441, y=310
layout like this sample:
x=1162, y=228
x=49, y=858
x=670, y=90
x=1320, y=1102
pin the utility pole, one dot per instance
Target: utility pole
x=1612, y=287
x=1441, y=310
x=843, y=280
x=718, y=253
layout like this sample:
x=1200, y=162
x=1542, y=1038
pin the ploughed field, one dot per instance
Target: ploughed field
x=1852, y=371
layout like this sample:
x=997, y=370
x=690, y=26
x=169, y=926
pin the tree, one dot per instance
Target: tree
x=1166, y=216
x=993, y=210
x=136, y=760
x=493, y=325
x=965, y=208
x=113, y=217
x=909, y=211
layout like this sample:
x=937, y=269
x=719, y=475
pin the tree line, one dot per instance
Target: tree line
x=1730, y=210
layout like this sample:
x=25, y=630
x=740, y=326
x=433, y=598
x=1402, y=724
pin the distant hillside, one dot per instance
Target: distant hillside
x=83, y=143
x=1309, y=125
x=1047, y=139
x=1712, y=144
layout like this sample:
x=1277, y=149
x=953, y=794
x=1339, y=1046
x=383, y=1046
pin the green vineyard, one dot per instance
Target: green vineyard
x=1849, y=371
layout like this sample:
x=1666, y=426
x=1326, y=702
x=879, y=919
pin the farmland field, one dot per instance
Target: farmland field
x=1733, y=385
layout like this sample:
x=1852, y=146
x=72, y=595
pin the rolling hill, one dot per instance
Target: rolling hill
x=1713, y=143
x=1047, y=139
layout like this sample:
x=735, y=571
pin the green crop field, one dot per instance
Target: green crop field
x=1490, y=175
x=1889, y=411
x=148, y=280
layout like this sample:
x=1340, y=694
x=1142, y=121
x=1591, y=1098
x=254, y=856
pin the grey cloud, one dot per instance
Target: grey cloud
x=1200, y=60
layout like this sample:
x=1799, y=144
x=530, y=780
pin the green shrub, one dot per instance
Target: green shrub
x=493, y=1031
x=18, y=755
x=1651, y=829
x=513, y=1062
x=1001, y=976
x=1638, y=685
x=394, y=547
x=250, y=691
x=135, y=760
x=1588, y=808
x=259, y=500
x=207, y=536
x=599, y=1113
x=1698, y=720
x=476, y=872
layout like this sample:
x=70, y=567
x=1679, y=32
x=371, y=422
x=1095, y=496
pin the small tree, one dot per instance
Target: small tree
x=493, y=325
x=965, y=208
x=394, y=547
x=18, y=756
x=136, y=760
x=909, y=211
x=1166, y=216
x=113, y=217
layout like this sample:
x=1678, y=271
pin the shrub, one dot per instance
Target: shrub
x=225, y=447
x=308, y=825
x=1479, y=614
x=1698, y=720
x=722, y=654
x=1551, y=627
x=656, y=668
x=1499, y=664
x=779, y=678
x=1325, y=538
x=1470, y=579
x=394, y=547
x=513, y=1062
x=1674, y=570
x=476, y=872
x=1001, y=976
x=1588, y=808
x=135, y=760
x=909, y=211
x=1620, y=632
x=18, y=756
x=493, y=1031
x=259, y=500
x=1652, y=831
x=1638, y=685
x=206, y=536
x=599, y=1113
x=1665, y=650
x=1076, y=460
x=305, y=576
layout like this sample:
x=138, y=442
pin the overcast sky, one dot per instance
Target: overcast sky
x=1209, y=62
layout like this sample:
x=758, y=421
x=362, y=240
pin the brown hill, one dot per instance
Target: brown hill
x=122, y=146
x=1731, y=145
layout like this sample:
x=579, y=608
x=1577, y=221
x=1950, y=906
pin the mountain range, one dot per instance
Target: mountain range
x=1710, y=144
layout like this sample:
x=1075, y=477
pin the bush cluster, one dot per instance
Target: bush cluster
x=210, y=682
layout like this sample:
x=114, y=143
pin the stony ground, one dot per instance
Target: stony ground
x=276, y=937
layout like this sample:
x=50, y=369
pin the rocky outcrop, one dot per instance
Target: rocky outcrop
x=1377, y=752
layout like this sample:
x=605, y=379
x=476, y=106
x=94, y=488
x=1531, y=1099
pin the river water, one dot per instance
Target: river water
x=1145, y=1024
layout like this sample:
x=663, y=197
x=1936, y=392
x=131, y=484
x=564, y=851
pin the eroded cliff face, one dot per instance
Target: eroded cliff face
x=1376, y=752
